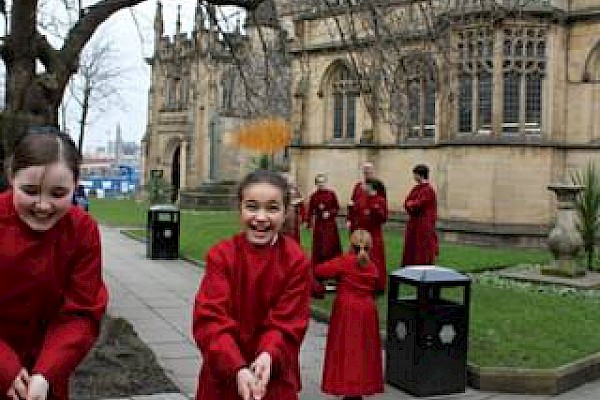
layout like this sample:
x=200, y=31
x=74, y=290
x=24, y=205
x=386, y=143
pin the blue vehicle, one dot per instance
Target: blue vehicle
x=80, y=198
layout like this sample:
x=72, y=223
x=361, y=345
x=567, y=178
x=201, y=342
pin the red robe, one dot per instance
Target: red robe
x=353, y=361
x=420, y=238
x=370, y=213
x=251, y=299
x=325, y=238
x=52, y=296
x=296, y=215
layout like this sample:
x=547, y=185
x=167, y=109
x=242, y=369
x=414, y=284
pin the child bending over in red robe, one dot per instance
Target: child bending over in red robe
x=252, y=309
x=52, y=296
x=353, y=362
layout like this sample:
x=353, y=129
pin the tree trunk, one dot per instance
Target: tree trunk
x=33, y=98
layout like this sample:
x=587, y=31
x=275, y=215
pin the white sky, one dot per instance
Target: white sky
x=132, y=45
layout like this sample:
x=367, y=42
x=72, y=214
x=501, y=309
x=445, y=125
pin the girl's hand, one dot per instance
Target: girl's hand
x=18, y=389
x=246, y=383
x=38, y=388
x=262, y=370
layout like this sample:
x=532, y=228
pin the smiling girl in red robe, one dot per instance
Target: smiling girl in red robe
x=252, y=309
x=52, y=296
x=353, y=361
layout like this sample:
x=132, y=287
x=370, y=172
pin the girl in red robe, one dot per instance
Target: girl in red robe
x=420, y=238
x=369, y=211
x=353, y=362
x=252, y=309
x=323, y=209
x=52, y=296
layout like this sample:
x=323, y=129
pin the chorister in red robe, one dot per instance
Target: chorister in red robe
x=420, y=238
x=251, y=299
x=52, y=296
x=323, y=208
x=353, y=360
x=295, y=217
x=368, y=211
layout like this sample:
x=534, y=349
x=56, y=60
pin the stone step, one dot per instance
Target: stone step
x=217, y=187
x=207, y=201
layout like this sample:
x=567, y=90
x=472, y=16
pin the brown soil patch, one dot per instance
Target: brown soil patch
x=119, y=365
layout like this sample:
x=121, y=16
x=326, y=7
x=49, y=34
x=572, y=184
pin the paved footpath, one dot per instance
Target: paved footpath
x=156, y=297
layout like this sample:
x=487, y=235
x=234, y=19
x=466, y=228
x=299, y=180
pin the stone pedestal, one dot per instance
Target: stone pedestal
x=564, y=239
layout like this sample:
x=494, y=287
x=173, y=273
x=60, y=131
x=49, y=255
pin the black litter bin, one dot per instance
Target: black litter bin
x=427, y=330
x=163, y=232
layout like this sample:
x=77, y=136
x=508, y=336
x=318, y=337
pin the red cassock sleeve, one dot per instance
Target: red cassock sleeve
x=287, y=321
x=356, y=193
x=378, y=208
x=335, y=206
x=74, y=329
x=302, y=213
x=9, y=366
x=310, y=212
x=213, y=326
x=417, y=200
x=329, y=269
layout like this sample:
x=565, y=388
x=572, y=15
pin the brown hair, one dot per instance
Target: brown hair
x=45, y=147
x=422, y=170
x=266, y=176
x=361, y=242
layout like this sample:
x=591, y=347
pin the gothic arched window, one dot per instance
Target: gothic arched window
x=416, y=76
x=523, y=73
x=522, y=70
x=475, y=81
x=344, y=92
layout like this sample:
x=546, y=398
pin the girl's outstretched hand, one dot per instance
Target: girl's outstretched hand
x=38, y=388
x=246, y=383
x=18, y=390
x=261, y=367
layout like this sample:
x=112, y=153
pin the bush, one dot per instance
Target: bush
x=587, y=205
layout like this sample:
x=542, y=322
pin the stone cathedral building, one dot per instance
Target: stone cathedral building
x=197, y=98
x=510, y=105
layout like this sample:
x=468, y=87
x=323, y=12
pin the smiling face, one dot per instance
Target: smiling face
x=42, y=194
x=262, y=212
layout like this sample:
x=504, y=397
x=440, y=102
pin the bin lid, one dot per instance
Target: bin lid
x=163, y=207
x=430, y=274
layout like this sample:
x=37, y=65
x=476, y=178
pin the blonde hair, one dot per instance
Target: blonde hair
x=361, y=243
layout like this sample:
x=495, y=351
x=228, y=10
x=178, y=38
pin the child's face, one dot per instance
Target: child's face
x=262, y=212
x=43, y=194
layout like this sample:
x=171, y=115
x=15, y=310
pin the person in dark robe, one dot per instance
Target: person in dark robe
x=368, y=210
x=296, y=214
x=251, y=311
x=323, y=208
x=420, y=238
x=353, y=360
x=52, y=295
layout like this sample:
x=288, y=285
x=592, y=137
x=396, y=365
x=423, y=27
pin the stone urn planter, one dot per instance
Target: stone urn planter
x=564, y=241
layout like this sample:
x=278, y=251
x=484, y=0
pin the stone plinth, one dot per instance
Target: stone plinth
x=564, y=240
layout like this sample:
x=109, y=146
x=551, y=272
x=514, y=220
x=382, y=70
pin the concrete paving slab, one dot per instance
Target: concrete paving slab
x=147, y=293
x=175, y=350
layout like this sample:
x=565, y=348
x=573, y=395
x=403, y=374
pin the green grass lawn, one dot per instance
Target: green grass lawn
x=511, y=325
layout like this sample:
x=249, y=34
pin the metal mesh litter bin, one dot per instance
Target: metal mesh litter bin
x=163, y=232
x=427, y=330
